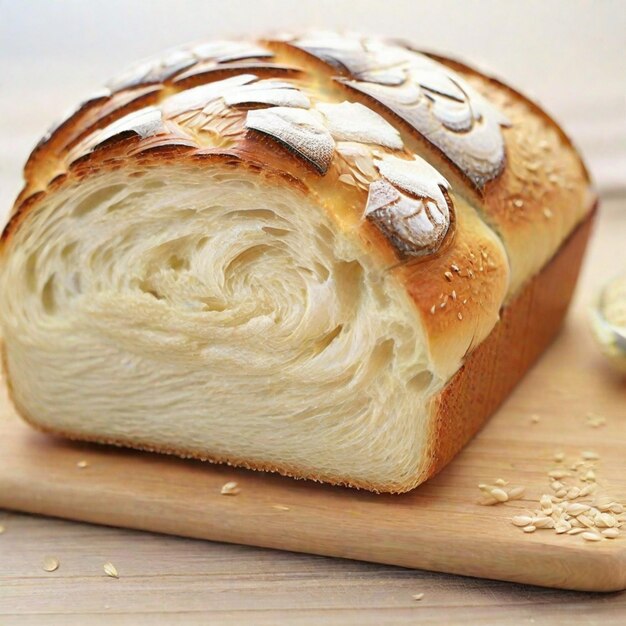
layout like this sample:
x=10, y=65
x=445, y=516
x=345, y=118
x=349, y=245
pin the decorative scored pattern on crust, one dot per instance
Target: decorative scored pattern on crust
x=429, y=97
x=175, y=61
x=220, y=115
x=210, y=86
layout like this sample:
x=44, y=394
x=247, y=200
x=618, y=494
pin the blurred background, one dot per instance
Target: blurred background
x=566, y=54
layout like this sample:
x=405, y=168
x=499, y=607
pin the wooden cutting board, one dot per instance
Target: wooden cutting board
x=439, y=526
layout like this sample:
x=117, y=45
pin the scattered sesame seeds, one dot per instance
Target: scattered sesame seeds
x=499, y=492
x=280, y=507
x=82, y=464
x=518, y=202
x=433, y=308
x=455, y=268
x=230, y=488
x=50, y=564
x=453, y=294
x=534, y=419
x=459, y=315
x=417, y=596
x=595, y=520
x=448, y=276
x=110, y=570
x=547, y=213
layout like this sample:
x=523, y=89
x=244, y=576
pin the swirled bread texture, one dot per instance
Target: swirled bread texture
x=279, y=253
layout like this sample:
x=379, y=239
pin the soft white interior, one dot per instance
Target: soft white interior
x=200, y=310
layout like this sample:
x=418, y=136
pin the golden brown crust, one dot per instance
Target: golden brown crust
x=527, y=326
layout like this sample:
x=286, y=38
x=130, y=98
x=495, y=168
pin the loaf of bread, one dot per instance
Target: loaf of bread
x=326, y=256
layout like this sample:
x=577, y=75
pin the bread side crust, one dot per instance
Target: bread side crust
x=532, y=320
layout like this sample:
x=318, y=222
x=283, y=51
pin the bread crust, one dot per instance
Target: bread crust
x=520, y=198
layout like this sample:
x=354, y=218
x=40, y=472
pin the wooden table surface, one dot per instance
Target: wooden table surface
x=170, y=580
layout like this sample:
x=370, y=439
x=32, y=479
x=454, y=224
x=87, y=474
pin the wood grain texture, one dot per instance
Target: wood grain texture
x=173, y=580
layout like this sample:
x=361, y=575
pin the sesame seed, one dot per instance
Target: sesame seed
x=500, y=482
x=585, y=521
x=50, y=564
x=522, y=520
x=589, y=536
x=417, y=596
x=577, y=508
x=605, y=519
x=559, y=457
x=553, y=178
x=455, y=268
x=515, y=493
x=610, y=533
x=595, y=420
x=230, y=488
x=543, y=521
x=590, y=456
x=575, y=531
x=459, y=315
x=448, y=276
x=518, y=203
x=484, y=254
x=433, y=308
x=499, y=494
x=280, y=507
x=587, y=489
x=534, y=418
x=453, y=294
x=82, y=464
x=590, y=475
x=110, y=570
x=547, y=213
x=529, y=529
x=573, y=493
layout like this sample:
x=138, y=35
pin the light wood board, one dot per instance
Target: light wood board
x=439, y=526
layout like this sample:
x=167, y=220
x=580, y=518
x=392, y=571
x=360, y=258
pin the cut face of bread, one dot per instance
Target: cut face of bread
x=290, y=255
x=210, y=313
